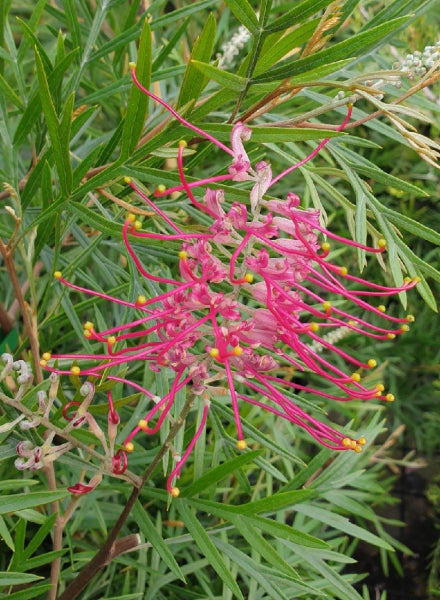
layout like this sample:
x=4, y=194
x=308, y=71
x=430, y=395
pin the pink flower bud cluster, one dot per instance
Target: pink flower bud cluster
x=254, y=298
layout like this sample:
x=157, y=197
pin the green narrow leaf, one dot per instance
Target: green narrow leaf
x=298, y=14
x=208, y=548
x=360, y=220
x=11, y=578
x=150, y=532
x=138, y=101
x=93, y=218
x=36, y=591
x=169, y=46
x=262, y=546
x=13, y=484
x=245, y=13
x=287, y=532
x=66, y=120
x=342, y=524
x=14, y=502
x=228, y=80
x=193, y=79
x=268, y=134
x=73, y=27
x=174, y=15
x=412, y=226
x=270, y=526
x=275, y=502
x=426, y=293
x=37, y=44
x=118, y=42
x=42, y=559
x=9, y=93
x=276, y=48
x=391, y=10
x=33, y=108
x=39, y=537
x=5, y=535
x=60, y=145
x=261, y=574
x=218, y=473
x=340, y=51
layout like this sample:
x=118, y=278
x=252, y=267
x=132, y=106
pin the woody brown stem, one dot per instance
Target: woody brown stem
x=6, y=322
x=8, y=259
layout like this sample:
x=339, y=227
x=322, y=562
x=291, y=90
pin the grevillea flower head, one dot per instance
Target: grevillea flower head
x=250, y=301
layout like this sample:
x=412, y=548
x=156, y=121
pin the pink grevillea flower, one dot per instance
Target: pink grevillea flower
x=250, y=301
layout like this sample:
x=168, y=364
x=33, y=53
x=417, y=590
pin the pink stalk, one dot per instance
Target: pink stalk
x=176, y=114
x=315, y=151
x=152, y=204
x=137, y=262
x=234, y=257
x=180, y=188
x=185, y=185
x=174, y=491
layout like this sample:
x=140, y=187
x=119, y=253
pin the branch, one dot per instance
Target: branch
x=108, y=552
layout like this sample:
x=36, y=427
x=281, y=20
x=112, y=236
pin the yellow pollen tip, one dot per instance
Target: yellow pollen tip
x=138, y=225
x=183, y=255
x=355, y=377
x=410, y=318
x=141, y=300
x=111, y=340
x=241, y=445
x=372, y=363
x=325, y=246
x=161, y=188
x=237, y=351
x=382, y=243
x=214, y=352
x=343, y=271
x=131, y=217
x=382, y=308
x=129, y=447
x=127, y=179
x=132, y=65
x=348, y=443
x=314, y=327
x=249, y=277
x=362, y=441
x=182, y=144
x=175, y=492
x=357, y=448
x=390, y=397
x=143, y=424
x=379, y=387
x=404, y=328
x=407, y=280
x=88, y=325
x=391, y=336
x=43, y=362
x=87, y=334
x=57, y=275
x=327, y=306
x=75, y=370
x=47, y=356
x=416, y=279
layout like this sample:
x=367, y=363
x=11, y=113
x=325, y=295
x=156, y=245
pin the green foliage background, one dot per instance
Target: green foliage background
x=281, y=521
